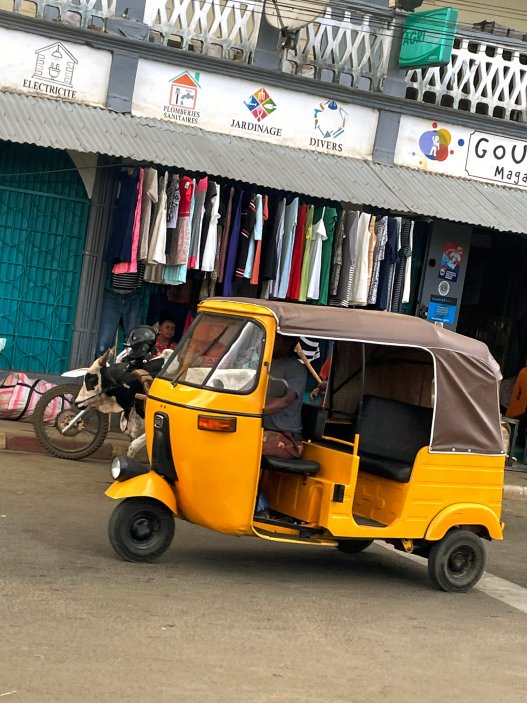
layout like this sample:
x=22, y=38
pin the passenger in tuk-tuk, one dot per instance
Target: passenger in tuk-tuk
x=283, y=416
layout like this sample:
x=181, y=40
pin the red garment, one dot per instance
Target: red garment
x=161, y=345
x=293, y=290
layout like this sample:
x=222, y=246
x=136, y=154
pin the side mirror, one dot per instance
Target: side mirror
x=277, y=387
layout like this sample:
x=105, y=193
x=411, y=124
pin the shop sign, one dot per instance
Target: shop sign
x=442, y=310
x=458, y=151
x=53, y=69
x=428, y=38
x=253, y=110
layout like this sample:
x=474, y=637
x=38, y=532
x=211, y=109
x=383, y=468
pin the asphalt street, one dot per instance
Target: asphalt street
x=225, y=620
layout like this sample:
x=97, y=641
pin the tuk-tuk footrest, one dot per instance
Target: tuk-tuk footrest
x=303, y=467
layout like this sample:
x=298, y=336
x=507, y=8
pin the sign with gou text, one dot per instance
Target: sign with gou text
x=253, y=110
x=459, y=151
x=53, y=69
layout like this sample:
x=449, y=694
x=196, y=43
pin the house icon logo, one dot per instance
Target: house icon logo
x=55, y=63
x=184, y=90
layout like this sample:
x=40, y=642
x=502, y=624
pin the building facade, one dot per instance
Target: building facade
x=314, y=107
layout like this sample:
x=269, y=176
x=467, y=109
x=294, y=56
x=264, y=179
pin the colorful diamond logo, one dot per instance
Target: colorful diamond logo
x=260, y=104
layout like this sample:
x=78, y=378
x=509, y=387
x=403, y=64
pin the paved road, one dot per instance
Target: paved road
x=226, y=620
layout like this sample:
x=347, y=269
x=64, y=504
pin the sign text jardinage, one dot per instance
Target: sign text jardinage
x=253, y=110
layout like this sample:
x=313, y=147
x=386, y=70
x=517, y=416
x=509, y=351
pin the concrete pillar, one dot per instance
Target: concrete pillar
x=394, y=84
x=93, y=271
x=128, y=22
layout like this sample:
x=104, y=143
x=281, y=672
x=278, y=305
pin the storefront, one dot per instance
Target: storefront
x=237, y=187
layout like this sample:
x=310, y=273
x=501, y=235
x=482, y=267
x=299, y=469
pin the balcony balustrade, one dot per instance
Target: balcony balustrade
x=487, y=76
x=346, y=46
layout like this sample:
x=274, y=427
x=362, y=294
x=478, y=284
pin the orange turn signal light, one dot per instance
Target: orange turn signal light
x=213, y=423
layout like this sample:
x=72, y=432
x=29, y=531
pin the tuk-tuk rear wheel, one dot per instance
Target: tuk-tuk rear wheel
x=353, y=546
x=141, y=529
x=457, y=562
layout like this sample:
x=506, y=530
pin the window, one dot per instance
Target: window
x=219, y=352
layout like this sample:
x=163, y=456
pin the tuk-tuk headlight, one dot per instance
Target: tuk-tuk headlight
x=116, y=468
x=124, y=467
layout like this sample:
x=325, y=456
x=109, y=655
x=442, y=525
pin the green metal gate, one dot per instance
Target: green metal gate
x=43, y=219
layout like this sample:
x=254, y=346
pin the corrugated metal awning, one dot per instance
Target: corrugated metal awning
x=62, y=125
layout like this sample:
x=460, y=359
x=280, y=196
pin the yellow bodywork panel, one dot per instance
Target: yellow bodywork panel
x=150, y=485
x=373, y=507
x=218, y=472
x=464, y=514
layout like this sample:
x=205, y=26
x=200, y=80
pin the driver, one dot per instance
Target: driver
x=283, y=416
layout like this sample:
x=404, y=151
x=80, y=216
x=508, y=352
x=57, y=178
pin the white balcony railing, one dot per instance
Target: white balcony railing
x=87, y=14
x=224, y=28
x=348, y=47
x=486, y=76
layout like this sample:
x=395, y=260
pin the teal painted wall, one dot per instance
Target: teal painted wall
x=43, y=218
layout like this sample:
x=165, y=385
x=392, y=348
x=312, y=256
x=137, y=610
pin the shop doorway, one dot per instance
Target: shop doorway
x=43, y=218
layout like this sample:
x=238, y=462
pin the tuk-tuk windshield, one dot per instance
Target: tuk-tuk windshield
x=219, y=352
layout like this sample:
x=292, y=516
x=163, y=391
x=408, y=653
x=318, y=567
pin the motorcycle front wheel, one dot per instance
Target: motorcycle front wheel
x=61, y=428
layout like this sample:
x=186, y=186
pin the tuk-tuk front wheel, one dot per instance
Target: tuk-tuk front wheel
x=141, y=529
x=456, y=563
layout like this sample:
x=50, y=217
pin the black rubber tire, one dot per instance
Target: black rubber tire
x=354, y=546
x=141, y=529
x=41, y=428
x=457, y=562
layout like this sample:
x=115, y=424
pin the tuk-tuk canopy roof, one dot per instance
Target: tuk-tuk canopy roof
x=466, y=412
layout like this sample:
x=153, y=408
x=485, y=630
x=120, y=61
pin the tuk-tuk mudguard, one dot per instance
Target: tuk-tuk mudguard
x=464, y=514
x=150, y=485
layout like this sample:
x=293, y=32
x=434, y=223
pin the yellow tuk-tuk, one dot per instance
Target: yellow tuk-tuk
x=406, y=447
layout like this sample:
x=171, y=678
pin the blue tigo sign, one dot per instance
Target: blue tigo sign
x=442, y=310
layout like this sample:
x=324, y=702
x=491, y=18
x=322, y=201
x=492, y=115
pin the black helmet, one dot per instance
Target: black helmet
x=140, y=342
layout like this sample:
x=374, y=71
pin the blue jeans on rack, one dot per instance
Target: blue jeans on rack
x=118, y=308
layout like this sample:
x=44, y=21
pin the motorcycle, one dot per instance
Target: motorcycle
x=80, y=428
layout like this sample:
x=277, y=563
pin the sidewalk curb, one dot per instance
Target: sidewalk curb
x=26, y=442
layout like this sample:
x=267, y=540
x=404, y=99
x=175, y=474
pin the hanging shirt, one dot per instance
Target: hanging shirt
x=349, y=253
x=408, y=269
x=149, y=199
x=178, y=254
x=131, y=266
x=359, y=294
x=158, y=236
x=197, y=222
x=224, y=244
x=288, y=239
x=257, y=255
x=293, y=289
x=177, y=275
x=248, y=218
x=120, y=243
x=306, y=259
x=173, y=196
x=387, y=265
x=404, y=254
x=381, y=233
x=234, y=239
x=318, y=236
x=336, y=265
x=330, y=220
x=255, y=236
x=274, y=244
x=211, y=222
x=395, y=261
